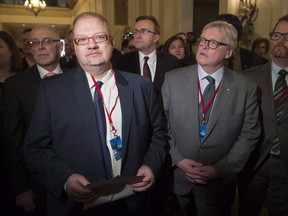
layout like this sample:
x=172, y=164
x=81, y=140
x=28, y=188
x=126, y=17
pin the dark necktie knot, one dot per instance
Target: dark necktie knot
x=146, y=58
x=211, y=80
x=100, y=83
x=282, y=73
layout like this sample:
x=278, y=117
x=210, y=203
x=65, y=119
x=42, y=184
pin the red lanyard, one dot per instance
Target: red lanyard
x=281, y=96
x=206, y=108
x=113, y=129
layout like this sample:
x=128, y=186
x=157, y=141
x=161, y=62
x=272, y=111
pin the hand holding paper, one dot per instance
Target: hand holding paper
x=147, y=182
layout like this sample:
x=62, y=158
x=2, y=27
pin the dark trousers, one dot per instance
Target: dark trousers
x=253, y=187
x=204, y=200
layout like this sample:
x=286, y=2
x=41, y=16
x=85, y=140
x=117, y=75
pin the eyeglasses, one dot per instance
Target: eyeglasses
x=142, y=31
x=83, y=40
x=212, y=44
x=44, y=42
x=278, y=35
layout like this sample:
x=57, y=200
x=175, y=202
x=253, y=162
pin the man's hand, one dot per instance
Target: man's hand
x=26, y=200
x=75, y=188
x=204, y=174
x=147, y=182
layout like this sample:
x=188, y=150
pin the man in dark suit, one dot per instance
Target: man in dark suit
x=208, y=150
x=146, y=37
x=243, y=58
x=21, y=91
x=268, y=165
x=68, y=145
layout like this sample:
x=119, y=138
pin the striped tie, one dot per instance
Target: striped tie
x=280, y=101
x=101, y=122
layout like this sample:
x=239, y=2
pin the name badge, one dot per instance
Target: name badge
x=203, y=129
x=116, y=144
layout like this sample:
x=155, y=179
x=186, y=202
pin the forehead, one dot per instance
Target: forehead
x=282, y=27
x=42, y=32
x=144, y=24
x=2, y=42
x=214, y=33
x=89, y=25
x=177, y=41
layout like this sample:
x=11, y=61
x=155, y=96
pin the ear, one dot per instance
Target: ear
x=156, y=38
x=60, y=47
x=229, y=54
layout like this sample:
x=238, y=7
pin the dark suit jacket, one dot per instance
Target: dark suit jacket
x=250, y=59
x=63, y=138
x=232, y=131
x=165, y=62
x=20, y=99
x=261, y=75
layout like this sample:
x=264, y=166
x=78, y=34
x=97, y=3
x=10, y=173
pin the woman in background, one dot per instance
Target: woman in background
x=176, y=46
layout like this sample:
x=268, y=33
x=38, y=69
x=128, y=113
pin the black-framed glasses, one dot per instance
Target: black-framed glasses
x=212, y=44
x=142, y=31
x=278, y=35
x=83, y=40
x=44, y=42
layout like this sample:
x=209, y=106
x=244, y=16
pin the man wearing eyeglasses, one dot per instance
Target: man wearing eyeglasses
x=266, y=174
x=28, y=59
x=21, y=92
x=146, y=36
x=92, y=124
x=213, y=125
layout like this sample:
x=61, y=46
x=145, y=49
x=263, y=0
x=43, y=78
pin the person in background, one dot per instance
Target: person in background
x=176, y=46
x=212, y=114
x=266, y=173
x=21, y=91
x=94, y=123
x=72, y=60
x=182, y=35
x=128, y=45
x=146, y=35
x=243, y=58
x=28, y=60
x=261, y=46
x=10, y=60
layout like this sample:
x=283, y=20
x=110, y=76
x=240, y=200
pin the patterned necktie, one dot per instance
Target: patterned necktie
x=49, y=74
x=280, y=101
x=207, y=95
x=101, y=122
x=146, y=69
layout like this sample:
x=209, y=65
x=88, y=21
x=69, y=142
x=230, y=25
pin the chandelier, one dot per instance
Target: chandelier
x=35, y=6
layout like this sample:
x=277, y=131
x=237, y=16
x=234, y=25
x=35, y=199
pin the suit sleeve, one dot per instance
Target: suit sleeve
x=14, y=131
x=174, y=152
x=237, y=157
x=38, y=149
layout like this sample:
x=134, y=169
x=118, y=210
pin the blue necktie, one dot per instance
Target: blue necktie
x=101, y=122
x=207, y=95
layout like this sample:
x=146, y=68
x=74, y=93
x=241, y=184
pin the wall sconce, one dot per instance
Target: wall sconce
x=35, y=6
x=248, y=11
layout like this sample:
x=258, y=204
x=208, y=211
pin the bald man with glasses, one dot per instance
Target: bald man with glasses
x=21, y=92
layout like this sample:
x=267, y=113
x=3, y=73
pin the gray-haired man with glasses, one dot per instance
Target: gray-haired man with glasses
x=21, y=92
x=213, y=125
x=266, y=174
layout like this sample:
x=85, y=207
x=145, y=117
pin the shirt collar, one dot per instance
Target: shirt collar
x=152, y=56
x=43, y=71
x=276, y=69
x=108, y=79
x=216, y=75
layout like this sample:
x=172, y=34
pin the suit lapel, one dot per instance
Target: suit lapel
x=82, y=94
x=191, y=100
x=126, y=101
x=226, y=89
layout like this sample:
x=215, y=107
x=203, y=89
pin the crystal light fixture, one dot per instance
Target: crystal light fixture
x=35, y=6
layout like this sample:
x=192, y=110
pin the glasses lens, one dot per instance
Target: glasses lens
x=213, y=44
